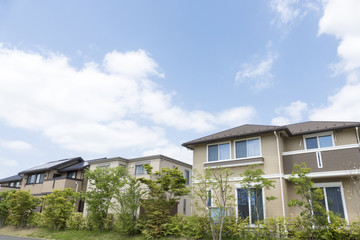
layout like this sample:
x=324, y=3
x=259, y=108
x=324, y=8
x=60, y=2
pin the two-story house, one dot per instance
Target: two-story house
x=10, y=183
x=136, y=168
x=330, y=149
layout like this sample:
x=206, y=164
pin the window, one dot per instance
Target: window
x=333, y=199
x=247, y=148
x=184, y=207
x=314, y=142
x=187, y=176
x=35, y=178
x=250, y=204
x=17, y=184
x=209, y=198
x=71, y=174
x=12, y=184
x=139, y=169
x=218, y=152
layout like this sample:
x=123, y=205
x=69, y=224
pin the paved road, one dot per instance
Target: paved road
x=3, y=237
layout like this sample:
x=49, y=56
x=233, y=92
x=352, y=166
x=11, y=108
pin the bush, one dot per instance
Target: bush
x=76, y=221
x=37, y=219
x=190, y=227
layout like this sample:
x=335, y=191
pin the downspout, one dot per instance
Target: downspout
x=77, y=186
x=357, y=134
x=281, y=175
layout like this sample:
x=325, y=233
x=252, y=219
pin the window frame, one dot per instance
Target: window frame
x=249, y=203
x=140, y=164
x=36, y=177
x=333, y=184
x=70, y=173
x=187, y=176
x=317, y=135
x=214, y=144
x=247, y=139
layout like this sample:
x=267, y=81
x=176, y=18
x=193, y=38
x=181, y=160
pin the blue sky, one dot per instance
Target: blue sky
x=134, y=78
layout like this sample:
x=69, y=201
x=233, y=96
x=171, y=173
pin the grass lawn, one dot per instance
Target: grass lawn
x=65, y=235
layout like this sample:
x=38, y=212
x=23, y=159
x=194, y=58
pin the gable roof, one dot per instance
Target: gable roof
x=11, y=179
x=77, y=166
x=58, y=164
x=291, y=129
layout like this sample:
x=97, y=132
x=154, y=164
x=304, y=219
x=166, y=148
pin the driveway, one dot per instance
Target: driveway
x=3, y=237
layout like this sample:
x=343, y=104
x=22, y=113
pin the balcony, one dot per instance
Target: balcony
x=234, y=162
x=340, y=160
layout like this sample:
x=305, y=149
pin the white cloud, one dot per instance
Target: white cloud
x=342, y=19
x=8, y=163
x=290, y=114
x=101, y=107
x=15, y=145
x=257, y=75
x=286, y=10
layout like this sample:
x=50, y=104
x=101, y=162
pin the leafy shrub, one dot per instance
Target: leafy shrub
x=37, y=219
x=109, y=222
x=190, y=227
x=76, y=221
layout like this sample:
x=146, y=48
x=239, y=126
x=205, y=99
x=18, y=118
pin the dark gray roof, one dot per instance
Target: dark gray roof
x=80, y=165
x=52, y=165
x=292, y=130
x=318, y=126
x=11, y=179
x=241, y=131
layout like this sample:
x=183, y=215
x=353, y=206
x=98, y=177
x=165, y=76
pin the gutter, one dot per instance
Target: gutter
x=281, y=174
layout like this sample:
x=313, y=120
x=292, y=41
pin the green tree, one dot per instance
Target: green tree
x=21, y=206
x=313, y=214
x=165, y=187
x=214, y=186
x=4, y=205
x=58, y=207
x=253, y=182
x=128, y=199
x=103, y=183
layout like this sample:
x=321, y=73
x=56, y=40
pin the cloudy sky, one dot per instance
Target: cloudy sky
x=134, y=78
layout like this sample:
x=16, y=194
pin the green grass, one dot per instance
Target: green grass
x=68, y=234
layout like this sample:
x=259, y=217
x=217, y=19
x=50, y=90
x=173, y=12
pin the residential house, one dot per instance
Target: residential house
x=136, y=168
x=330, y=149
x=10, y=183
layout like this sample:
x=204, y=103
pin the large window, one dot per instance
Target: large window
x=35, y=178
x=333, y=199
x=314, y=142
x=250, y=204
x=218, y=152
x=247, y=148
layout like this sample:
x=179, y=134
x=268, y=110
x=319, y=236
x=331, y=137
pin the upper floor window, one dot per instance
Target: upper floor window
x=35, y=178
x=247, y=148
x=320, y=141
x=218, y=152
x=71, y=174
x=139, y=169
x=187, y=176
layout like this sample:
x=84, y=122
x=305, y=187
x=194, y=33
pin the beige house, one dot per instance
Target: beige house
x=330, y=149
x=45, y=178
x=10, y=183
x=135, y=168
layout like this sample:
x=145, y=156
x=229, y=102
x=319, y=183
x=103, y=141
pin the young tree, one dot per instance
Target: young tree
x=58, y=207
x=165, y=187
x=128, y=199
x=21, y=206
x=4, y=205
x=313, y=213
x=214, y=187
x=253, y=183
x=103, y=183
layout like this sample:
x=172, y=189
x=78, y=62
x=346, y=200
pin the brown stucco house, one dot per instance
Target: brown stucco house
x=330, y=149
